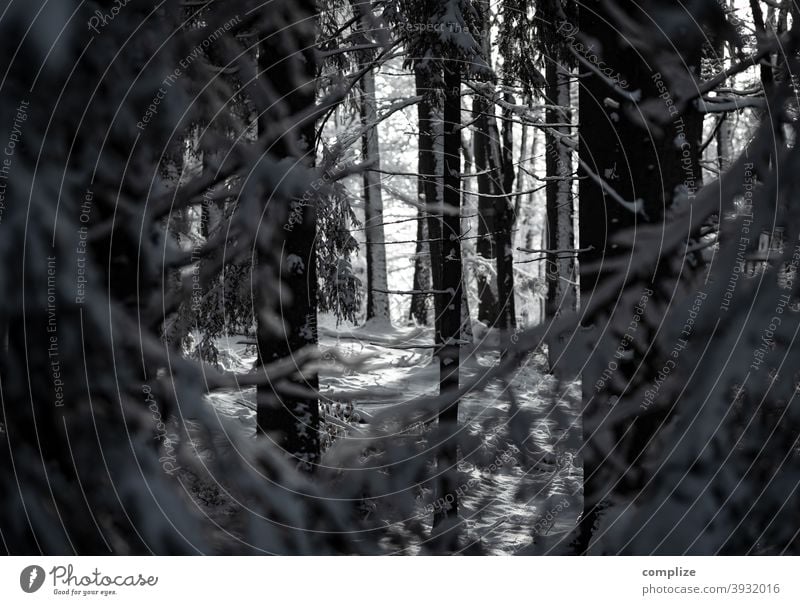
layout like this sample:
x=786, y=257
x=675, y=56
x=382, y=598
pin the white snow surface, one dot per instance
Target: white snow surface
x=525, y=506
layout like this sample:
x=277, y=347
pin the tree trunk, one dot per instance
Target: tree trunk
x=377, y=282
x=724, y=136
x=638, y=165
x=496, y=218
x=725, y=143
x=426, y=184
x=292, y=421
x=560, y=265
x=486, y=281
x=521, y=180
x=422, y=271
x=450, y=288
x=504, y=221
x=468, y=209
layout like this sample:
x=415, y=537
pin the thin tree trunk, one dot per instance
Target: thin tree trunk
x=483, y=117
x=467, y=247
x=521, y=180
x=422, y=271
x=724, y=137
x=504, y=223
x=485, y=248
x=377, y=282
x=725, y=143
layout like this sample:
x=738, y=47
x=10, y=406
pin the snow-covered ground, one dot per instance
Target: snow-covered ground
x=528, y=499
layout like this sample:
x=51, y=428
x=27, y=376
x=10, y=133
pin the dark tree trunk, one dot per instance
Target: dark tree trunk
x=560, y=265
x=494, y=165
x=504, y=224
x=638, y=164
x=486, y=282
x=600, y=219
x=292, y=421
x=449, y=291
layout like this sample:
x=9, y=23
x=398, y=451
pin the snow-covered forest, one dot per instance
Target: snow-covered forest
x=399, y=277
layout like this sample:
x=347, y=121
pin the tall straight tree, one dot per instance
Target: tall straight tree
x=450, y=290
x=427, y=188
x=288, y=65
x=377, y=282
x=485, y=278
x=427, y=256
x=496, y=216
x=486, y=281
x=561, y=266
x=495, y=167
x=498, y=153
